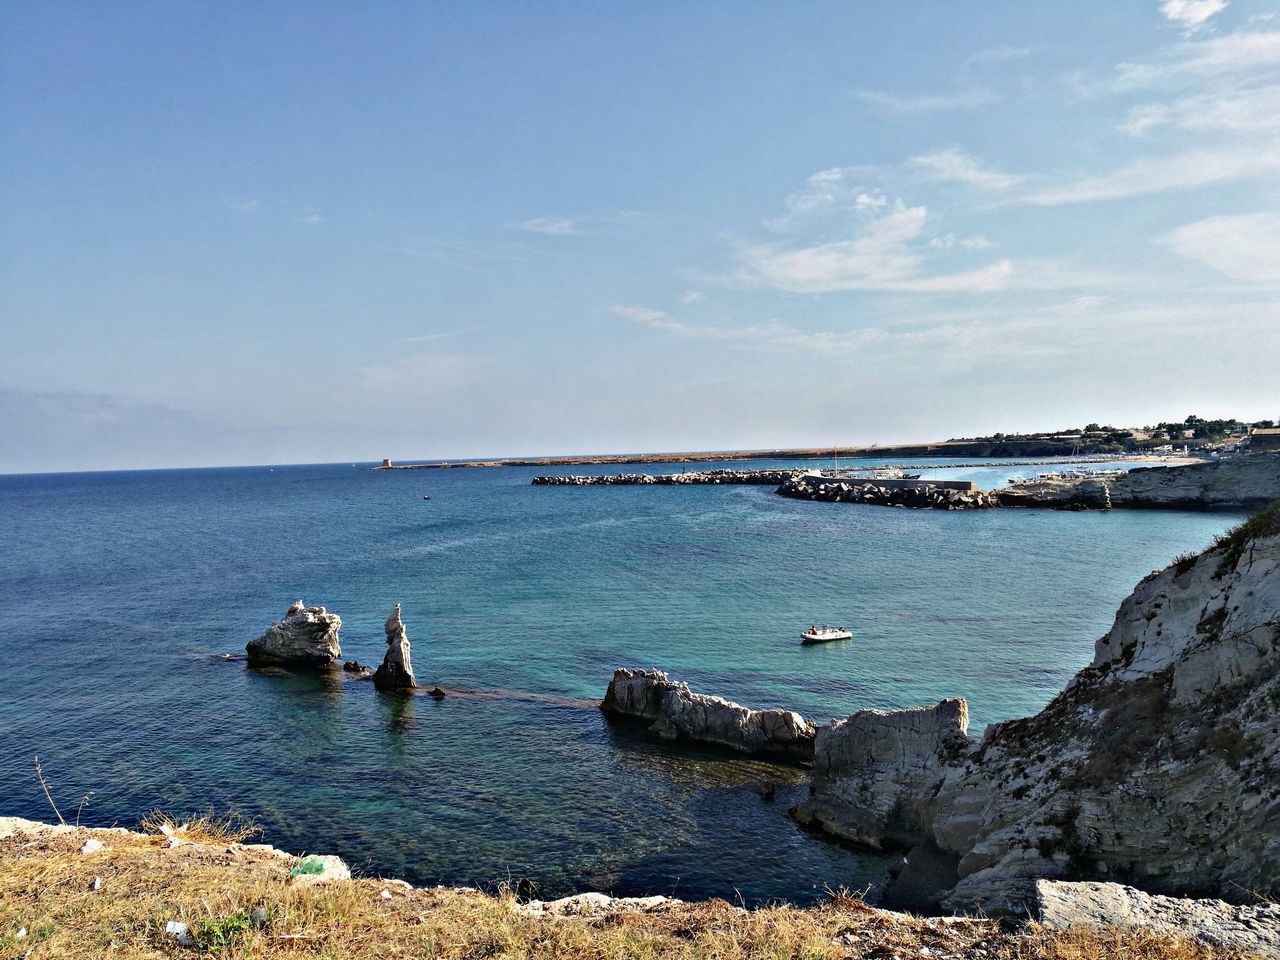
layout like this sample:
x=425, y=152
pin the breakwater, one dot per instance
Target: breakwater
x=761, y=477
x=937, y=495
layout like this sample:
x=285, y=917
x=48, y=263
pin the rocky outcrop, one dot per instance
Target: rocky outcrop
x=920, y=495
x=1252, y=929
x=307, y=636
x=1158, y=765
x=871, y=770
x=1240, y=483
x=396, y=672
x=673, y=712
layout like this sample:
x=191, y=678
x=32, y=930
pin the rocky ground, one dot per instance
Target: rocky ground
x=67, y=892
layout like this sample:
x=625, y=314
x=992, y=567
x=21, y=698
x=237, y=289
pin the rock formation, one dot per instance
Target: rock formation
x=870, y=771
x=1239, y=483
x=676, y=713
x=1251, y=929
x=1158, y=765
x=396, y=672
x=307, y=636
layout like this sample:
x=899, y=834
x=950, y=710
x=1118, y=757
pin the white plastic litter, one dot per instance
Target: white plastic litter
x=96, y=884
x=22, y=932
x=178, y=930
x=385, y=894
x=92, y=846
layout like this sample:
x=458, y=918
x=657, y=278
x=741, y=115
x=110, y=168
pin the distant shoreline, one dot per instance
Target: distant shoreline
x=947, y=448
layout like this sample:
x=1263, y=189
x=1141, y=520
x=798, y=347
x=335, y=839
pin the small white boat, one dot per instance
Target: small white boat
x=825, y=634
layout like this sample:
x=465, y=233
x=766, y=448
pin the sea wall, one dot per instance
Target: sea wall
x=673, y=712
x=692, y=477
x=937, y=495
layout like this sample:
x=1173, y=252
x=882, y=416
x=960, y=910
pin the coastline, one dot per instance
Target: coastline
x=948, y=448
x=197, y=888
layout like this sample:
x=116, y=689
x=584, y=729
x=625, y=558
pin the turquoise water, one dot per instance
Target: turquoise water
x=119, y=591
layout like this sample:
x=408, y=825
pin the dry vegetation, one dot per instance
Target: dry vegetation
x=238, y=902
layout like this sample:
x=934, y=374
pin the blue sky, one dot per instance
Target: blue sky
x=250, y=233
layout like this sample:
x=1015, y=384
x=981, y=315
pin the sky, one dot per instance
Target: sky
x=237, y=233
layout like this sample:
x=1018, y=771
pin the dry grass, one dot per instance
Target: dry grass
x=238, y=902
x=207, y=827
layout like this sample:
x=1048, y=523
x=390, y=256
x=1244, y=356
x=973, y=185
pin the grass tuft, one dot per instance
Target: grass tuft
x=207, y=827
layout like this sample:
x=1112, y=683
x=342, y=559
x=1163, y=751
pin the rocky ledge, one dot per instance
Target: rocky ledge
x=921, y=495
x=1158, y=765
x=307, y=636
x=1240, y=483
x=674, y=712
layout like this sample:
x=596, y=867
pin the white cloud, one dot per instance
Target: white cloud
x=312, y=219
x=1242, y=247
x=1180, y=171
x=1234, y=53
x=956, y=165
x=826, y=193
x=880, y=257
x=1192, y=13
x=967, y=98
x=1245, y=111
x=548, y=226
x=692, y=296
x=975, y=242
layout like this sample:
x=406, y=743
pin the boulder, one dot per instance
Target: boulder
x=871, y=771
x=307, y=636
x=396, y=672
x=1249, y=929
x=676, y=713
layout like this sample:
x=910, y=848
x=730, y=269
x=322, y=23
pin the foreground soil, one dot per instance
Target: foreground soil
x=238, y=900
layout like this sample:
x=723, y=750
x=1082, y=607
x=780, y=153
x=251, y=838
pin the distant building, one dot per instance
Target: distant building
x=386, y=461
x=1265, y=438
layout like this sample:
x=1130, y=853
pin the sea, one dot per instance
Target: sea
x=123, y=593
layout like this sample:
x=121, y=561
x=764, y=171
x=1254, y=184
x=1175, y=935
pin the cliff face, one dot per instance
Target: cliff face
x=1241, y=483
x=1158, y=765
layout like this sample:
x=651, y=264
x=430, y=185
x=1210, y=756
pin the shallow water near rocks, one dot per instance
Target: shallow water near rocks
x=118, y=592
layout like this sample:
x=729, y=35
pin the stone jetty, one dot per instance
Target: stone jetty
x=396, y=672
x=674, y=712
x=692, y=477
x=939, y=495
x=307, y=636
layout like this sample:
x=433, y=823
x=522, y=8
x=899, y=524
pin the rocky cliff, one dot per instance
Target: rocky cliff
x=673, y=712
x=1158, y=765
x=307, y=636
x=1242, y=483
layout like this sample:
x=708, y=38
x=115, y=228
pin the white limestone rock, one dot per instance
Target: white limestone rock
x=1250, y=929
x=1159, y=764
x=396, y=672
x=307, y=636
x=679, y=714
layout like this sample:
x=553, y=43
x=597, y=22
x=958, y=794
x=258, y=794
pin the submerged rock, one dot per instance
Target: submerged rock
x=676, y=713
x=307, y=636
x=1157, y=764
x=396, y=672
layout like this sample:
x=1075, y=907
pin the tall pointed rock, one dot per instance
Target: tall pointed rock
x=396, y=672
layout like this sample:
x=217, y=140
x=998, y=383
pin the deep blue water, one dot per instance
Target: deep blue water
x=119, y=590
